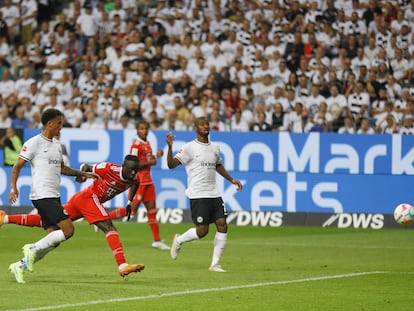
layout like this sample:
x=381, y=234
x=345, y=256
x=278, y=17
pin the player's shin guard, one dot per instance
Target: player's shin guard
x=114, y=242
x=28, y=220
x=153, y=224
x=117, y=213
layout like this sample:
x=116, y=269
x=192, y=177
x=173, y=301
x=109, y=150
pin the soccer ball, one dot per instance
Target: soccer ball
x=404, y=214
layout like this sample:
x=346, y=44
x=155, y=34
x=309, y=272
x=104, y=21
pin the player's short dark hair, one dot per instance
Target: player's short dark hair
x=131, y=157
x=142, y=121
x=50, y=114
x=199, y=120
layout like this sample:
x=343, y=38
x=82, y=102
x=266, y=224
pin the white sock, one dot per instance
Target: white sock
x=189, y=235
x=220, y=241
x=52, y=240
x=43, y=252
x=6, y=219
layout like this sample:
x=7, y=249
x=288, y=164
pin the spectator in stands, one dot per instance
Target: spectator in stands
x=11, y=15
x=74, y=49
x=28, y=16
x=400, y=66
x=216, y=124
x=348, y=127
x=7, y=84
x=46, y=83
x=407, y=127
x=261, y=124
x=133, y=112
x=23, y=82
x=86, y=24
x=358, y=102
x=53, y=100
x=20, y=120
x=237, y=122
x=232, y=102
x=73, y=115
x=378, y=106
x=295, y=121
x=91, y=122
x=365, y=127
x=387, y=125
x=12, y=145
x=277, y=117
x=29, y=108
x=5, y=120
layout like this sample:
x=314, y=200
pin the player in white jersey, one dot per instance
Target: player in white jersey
x=202, y=160
x=44, y=153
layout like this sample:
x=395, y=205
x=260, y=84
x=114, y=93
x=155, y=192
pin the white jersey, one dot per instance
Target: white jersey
x=45, y=157
x=200, y=161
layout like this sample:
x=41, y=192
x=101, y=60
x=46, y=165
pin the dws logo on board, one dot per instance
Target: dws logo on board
x=355, y=220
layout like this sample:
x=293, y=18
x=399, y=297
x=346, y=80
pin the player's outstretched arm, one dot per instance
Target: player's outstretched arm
x=223, y=172
x=79, y=174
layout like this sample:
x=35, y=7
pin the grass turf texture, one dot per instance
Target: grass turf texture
x=287, y=268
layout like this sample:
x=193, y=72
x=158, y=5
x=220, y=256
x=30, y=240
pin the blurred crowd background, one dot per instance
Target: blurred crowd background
x=343, y=66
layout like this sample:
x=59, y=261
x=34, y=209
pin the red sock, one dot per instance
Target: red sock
x=153, y=224
x=112, y=237
x=117, y=213
x=29, y=220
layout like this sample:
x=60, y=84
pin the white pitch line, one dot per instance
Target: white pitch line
x=198, y=291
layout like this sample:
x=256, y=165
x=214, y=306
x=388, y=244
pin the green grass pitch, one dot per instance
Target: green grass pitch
x=286, y=268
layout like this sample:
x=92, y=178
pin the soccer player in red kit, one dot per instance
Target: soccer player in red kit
x=141, y=148
x=88, y=203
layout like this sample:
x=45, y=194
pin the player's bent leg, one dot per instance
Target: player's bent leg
x=114, y=242
x=117, y=213
x=27, y=220
x=67, y=228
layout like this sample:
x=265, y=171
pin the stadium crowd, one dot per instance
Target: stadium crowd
x=342, y=66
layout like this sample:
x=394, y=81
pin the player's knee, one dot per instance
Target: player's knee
x=69, y=232
x=221, y=227
x=202, y=231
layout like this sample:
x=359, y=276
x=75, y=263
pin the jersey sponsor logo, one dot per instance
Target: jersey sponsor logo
x=54, y=161
x=208, y=164
x=355, y=220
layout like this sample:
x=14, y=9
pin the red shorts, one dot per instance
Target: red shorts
x=145, y=193
x=86, y=204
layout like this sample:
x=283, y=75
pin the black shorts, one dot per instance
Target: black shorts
x=205, y=211
x=51, y=211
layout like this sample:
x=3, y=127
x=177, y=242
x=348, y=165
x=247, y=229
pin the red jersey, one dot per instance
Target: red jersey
x=112, y=182
x=142, y=149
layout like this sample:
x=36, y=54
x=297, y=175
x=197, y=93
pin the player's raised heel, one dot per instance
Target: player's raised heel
x=130, y=268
